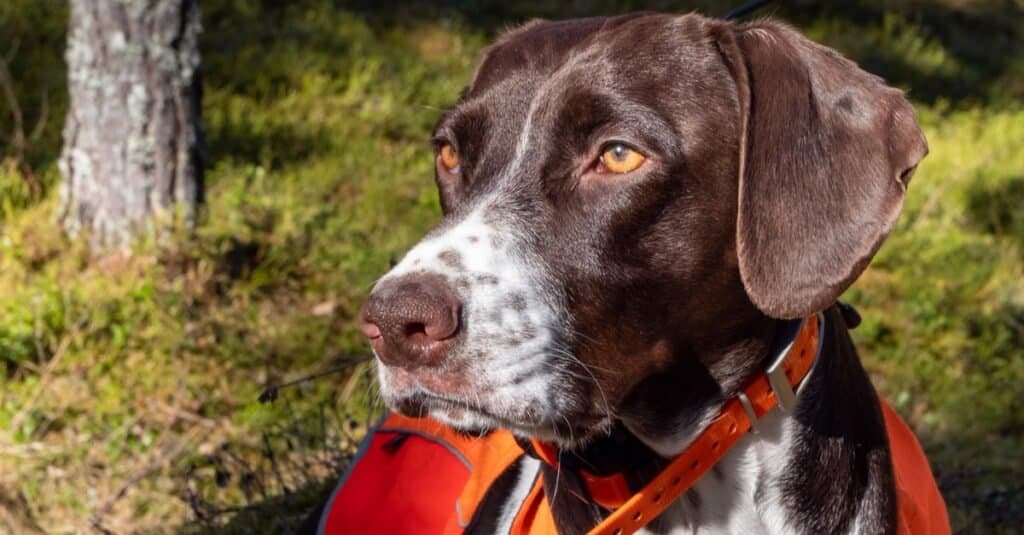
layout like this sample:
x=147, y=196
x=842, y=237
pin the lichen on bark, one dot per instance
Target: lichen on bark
x=132, y=136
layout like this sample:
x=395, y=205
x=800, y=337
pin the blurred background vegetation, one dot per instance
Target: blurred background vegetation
x=129, y=381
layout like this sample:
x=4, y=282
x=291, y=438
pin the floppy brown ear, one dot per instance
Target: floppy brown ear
x=826, y=156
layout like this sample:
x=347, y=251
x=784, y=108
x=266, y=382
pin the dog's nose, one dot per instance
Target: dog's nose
x=411, y=320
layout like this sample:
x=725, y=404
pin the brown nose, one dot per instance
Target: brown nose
x=411, y=320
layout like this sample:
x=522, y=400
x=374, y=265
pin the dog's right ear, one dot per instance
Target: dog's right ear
x=826, y=153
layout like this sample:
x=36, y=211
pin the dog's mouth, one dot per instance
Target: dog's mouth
x=566, y=430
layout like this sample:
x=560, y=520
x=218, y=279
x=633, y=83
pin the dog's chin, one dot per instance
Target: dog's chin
x=476, y=421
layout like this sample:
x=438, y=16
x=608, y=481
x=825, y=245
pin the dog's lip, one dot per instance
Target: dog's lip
x=422, y=403
x=423, y=400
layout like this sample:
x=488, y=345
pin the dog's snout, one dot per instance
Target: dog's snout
x=411, y=320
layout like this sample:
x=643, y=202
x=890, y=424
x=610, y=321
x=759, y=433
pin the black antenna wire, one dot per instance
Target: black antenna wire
x=746, y=9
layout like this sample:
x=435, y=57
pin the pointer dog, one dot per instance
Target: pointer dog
x=633, y=206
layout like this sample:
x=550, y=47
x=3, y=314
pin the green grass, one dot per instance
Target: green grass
x=129, y=382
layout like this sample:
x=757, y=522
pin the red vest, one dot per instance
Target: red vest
x=417, y=476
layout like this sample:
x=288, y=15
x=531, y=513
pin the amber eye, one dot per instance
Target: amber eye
x=448, y=158
x=621, y=158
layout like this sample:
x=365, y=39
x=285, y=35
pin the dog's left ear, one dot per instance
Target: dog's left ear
x=826, y=154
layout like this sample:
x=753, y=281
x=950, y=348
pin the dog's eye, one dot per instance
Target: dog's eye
x=620, y=158
x=448, y=158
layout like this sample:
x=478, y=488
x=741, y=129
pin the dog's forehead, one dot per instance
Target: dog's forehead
x=534, y=48
x=539, y=48
x=642, y=57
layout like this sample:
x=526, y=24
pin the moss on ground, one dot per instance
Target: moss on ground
x=129, y=382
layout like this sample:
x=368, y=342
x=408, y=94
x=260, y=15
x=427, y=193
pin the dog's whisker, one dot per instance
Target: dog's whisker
x=568, y=427
x=562, y=370
x=597, y=385
x=602, y=369
x=567, y=356
x=558, y=477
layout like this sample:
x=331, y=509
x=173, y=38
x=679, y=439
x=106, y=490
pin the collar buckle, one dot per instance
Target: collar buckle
x=779, y=382
x=779, y=370
x=748, y=407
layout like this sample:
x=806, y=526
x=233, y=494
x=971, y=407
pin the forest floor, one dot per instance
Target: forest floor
x=129, y=382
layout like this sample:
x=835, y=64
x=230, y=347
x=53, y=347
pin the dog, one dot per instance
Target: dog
x=635, y=210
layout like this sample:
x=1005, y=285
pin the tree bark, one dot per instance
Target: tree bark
x=132, y=137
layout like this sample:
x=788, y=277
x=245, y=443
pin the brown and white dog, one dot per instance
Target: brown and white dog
x=632, y=208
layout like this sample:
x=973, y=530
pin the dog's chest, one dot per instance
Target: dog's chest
x=740, y=495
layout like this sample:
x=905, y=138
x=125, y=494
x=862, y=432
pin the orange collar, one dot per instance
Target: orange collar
x=777, y=386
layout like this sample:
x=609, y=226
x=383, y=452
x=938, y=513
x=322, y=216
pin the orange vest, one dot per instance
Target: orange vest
x=417, y=476
x=921, y=508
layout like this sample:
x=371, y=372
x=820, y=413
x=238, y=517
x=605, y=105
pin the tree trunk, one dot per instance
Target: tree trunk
x=132, y=139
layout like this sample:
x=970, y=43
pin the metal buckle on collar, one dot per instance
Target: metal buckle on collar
x=749, y=409
x=780, y=383
x=776, y=373
x=777, y=379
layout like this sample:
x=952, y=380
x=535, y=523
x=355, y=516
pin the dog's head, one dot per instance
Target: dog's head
x=627, y=203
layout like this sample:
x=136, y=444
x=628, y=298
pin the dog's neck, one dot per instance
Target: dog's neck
x=821, y=468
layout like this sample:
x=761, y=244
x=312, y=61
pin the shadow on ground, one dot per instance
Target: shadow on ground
x=290, y=472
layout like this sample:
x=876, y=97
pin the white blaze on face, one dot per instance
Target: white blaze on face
x=508, y=359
